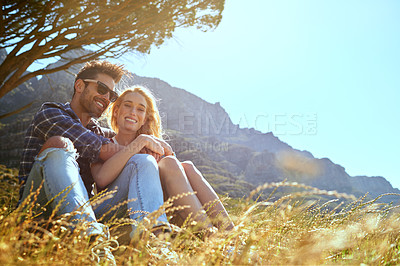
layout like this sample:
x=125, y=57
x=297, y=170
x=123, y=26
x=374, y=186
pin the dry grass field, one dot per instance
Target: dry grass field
x=299, y=228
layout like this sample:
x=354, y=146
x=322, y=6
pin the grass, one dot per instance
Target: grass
x=298, y=228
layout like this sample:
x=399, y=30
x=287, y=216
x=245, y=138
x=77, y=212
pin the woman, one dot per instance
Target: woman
x=135, y=118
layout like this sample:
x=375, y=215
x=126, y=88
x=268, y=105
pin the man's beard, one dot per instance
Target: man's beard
x=88, y=105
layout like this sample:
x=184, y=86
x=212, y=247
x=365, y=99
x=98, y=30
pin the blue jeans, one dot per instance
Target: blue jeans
x=58, y=170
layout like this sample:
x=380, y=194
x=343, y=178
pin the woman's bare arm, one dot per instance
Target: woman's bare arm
x=106, y=172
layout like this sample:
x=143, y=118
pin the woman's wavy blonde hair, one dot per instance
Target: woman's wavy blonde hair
x=152, y=126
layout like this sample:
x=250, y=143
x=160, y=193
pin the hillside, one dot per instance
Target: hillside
x=234, y=159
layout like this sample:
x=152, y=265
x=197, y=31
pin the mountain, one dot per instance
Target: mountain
x=235, y=160
x=251, y=155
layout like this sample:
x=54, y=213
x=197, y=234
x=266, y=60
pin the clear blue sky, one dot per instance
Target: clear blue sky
x=323, y=76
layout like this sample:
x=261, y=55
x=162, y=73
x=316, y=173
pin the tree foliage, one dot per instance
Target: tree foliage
x=35, y=30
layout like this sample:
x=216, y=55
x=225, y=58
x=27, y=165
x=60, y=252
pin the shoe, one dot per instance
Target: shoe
x=161, y=229
x=101, y=251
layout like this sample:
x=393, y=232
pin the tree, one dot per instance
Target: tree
x=33, y=30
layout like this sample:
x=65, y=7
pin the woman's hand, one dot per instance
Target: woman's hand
x=155, y=155
x=148, y=142
x=152, y=145
x=167, y=148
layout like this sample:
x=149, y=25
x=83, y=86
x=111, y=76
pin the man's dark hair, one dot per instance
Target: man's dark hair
x=92, y=68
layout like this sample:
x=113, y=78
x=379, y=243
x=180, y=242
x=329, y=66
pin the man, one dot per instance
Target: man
x=59, y=149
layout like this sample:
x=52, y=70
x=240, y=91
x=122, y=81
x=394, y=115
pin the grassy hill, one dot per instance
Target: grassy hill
x=299, y=228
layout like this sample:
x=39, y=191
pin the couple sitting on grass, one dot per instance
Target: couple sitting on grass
x=66, y=153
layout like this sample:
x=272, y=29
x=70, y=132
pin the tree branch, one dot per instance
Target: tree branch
x=16, y=111
x=114, y=27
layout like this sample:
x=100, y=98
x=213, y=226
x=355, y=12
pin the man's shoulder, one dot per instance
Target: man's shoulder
x=55, y=105
x=55, y=108
x=96, y=127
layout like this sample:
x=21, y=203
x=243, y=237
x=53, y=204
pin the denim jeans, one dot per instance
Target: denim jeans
x=58, y=170
x=138, y=180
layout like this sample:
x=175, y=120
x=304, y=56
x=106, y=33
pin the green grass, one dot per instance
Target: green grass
x=297, y=228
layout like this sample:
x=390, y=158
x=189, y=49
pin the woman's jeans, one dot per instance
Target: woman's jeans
x=58, y=170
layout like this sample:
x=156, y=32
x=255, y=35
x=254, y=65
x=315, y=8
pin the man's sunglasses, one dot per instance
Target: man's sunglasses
x=103, y=89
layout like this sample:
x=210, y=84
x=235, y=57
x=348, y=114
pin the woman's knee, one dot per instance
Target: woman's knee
x=170, y=163
x=171, y=169
x=188, y=166
x=57, y=142
x=140, y=167
x=143, y=160
x=191, y=171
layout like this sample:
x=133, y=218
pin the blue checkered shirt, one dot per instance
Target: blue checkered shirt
x=56, y=119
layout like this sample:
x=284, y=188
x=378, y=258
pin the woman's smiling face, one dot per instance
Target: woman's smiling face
x=131, y=113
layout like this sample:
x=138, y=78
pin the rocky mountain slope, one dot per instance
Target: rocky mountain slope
x=234, y=159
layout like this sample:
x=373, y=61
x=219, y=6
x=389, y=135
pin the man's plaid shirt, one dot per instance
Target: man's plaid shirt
x=56, y=119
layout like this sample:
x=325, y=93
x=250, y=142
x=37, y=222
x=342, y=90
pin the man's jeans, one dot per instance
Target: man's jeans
x=59, y=171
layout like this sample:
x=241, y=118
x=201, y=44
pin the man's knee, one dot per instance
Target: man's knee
x=56, y=142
